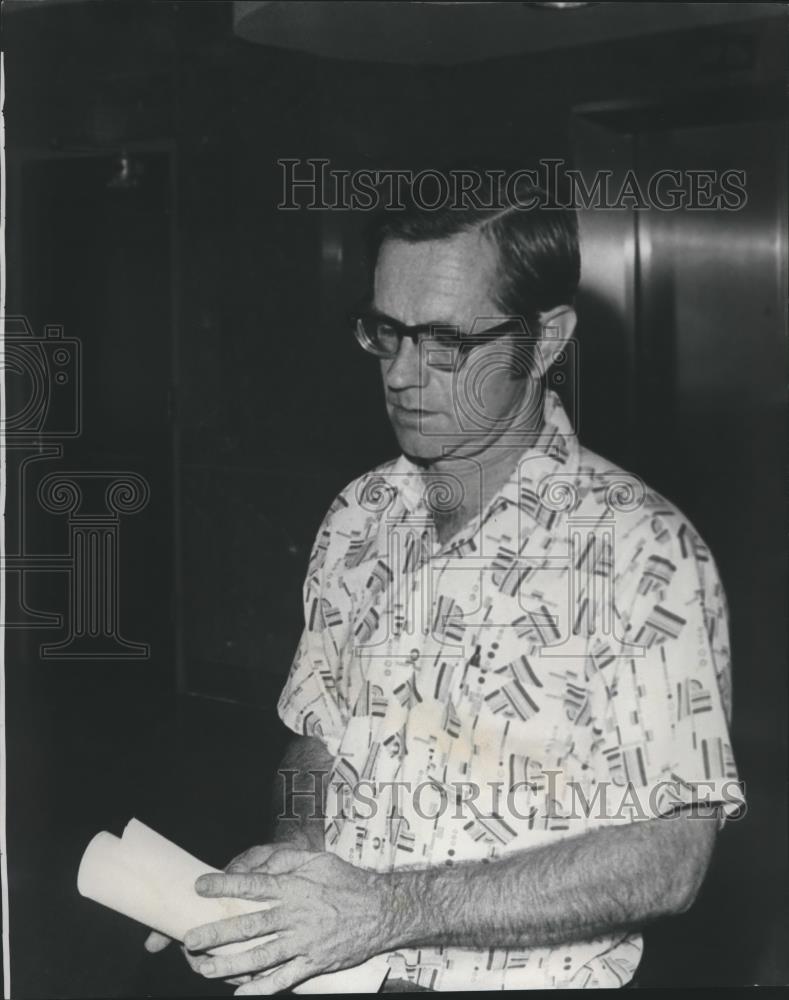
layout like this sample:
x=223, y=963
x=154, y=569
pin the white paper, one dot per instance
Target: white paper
x=146, y=877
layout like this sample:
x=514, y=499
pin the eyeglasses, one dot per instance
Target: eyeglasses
x=382, y=335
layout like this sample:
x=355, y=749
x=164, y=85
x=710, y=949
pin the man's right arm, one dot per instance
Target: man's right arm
x=298, y=808
x=300, y=794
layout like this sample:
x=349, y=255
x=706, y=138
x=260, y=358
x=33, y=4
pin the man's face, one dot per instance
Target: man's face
x=434, y=412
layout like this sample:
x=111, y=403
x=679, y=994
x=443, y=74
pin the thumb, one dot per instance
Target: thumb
x=286, y=859
x=251, y=859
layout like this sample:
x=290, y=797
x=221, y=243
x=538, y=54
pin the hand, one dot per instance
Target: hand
x=259, y=858
x=327, y=916
x=158, y=942
x=271, y=858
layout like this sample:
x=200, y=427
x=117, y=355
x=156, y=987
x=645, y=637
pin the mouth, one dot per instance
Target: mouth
x=410, y=412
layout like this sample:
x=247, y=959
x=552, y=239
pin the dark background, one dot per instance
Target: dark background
x=215, y=364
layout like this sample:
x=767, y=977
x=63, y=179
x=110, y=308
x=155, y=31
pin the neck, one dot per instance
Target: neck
x=481, y=475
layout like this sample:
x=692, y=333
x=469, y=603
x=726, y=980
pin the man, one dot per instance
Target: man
x=514, y=667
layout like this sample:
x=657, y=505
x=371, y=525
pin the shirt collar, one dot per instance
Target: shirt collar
x=555, y=448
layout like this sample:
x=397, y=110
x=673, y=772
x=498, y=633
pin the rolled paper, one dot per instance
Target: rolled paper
x=148, y=878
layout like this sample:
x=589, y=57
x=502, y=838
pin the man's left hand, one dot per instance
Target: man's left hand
x=327, y=915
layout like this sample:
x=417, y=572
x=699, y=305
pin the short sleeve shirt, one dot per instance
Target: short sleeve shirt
x=562, y=663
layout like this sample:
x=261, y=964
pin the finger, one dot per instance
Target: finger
x=255, y=885
x=238, y=980
x=248, y=859
x=243, y=928
x=287, y=975
x=156, y=942
x=195, y=961
x=284, y=860
x=254, y=960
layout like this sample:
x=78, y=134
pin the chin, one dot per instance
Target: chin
x=422, y=447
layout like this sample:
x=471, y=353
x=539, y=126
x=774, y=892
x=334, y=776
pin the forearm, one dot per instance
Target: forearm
x=299, y=793
x=608, y=880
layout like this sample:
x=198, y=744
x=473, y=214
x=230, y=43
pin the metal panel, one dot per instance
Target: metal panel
x=606, y=298
x=711, y=325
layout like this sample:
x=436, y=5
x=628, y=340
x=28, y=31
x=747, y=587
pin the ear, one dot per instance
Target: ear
x=556, y=328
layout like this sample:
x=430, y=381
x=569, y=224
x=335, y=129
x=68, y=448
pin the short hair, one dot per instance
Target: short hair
x=536, y=238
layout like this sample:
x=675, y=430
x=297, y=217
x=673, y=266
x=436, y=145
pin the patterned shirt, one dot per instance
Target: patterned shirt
x=561, y=663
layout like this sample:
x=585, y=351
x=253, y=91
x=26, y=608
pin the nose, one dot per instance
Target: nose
x=407, y=369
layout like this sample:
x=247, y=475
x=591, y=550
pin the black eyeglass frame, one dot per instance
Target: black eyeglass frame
x=444, y=334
